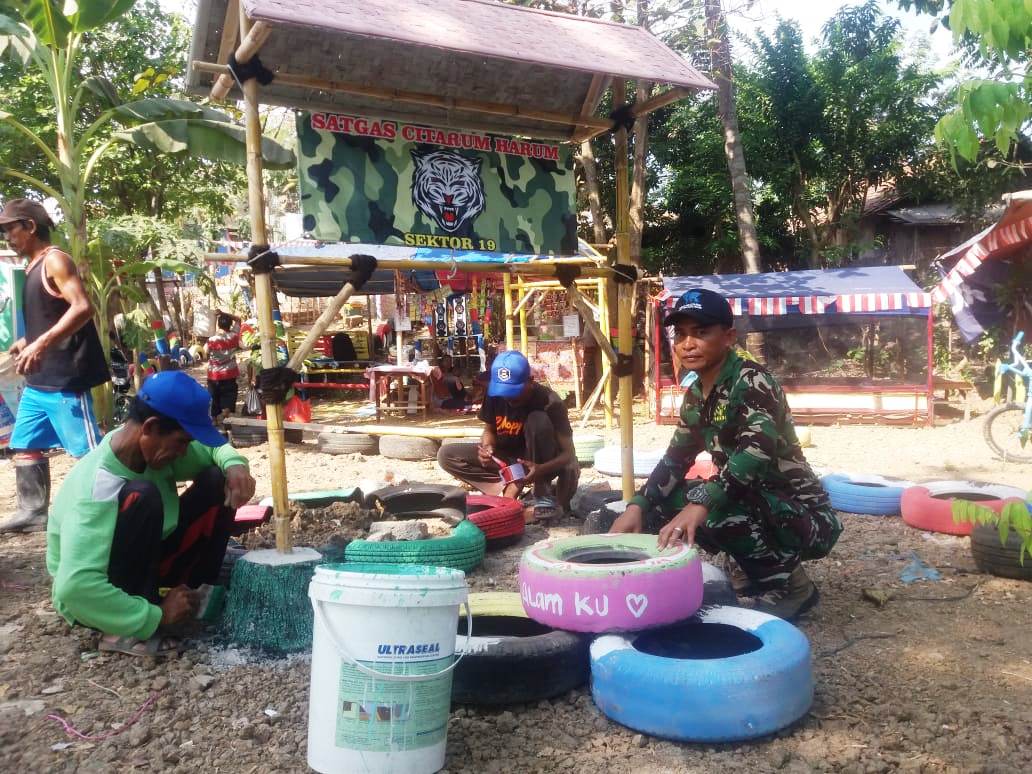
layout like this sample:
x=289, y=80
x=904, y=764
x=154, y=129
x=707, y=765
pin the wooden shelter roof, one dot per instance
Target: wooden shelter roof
x=474, y=64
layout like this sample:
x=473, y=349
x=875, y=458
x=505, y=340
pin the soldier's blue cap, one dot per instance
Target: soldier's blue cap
x=702, y=306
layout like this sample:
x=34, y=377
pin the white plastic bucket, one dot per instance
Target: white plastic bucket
x=383, y=651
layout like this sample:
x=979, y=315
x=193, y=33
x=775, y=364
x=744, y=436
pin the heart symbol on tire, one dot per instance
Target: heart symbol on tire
x=637, y=603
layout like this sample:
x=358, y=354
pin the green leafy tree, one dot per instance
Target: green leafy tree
x=47, y=38
x=997, y=36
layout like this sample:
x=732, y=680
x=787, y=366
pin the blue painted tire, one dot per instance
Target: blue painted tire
x=867, y=495
x=712, y=698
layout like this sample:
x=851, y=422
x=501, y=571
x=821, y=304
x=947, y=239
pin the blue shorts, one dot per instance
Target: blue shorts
x=49, y=420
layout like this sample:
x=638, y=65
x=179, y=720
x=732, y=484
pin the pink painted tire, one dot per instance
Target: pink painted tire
x=930, y=506
x=609, y=583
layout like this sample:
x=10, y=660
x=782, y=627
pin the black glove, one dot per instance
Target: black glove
x=275, y=383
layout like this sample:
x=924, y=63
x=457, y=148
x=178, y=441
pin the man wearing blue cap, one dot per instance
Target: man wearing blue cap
x=118, y=530
x=765, y=507
x=525, y=422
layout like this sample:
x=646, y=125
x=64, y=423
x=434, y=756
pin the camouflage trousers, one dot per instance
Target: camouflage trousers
x=768, y=536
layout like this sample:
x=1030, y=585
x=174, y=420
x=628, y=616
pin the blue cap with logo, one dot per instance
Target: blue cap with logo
x=704, y=306
x=178, y=396
x=509, y=372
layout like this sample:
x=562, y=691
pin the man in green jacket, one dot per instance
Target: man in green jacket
x=118, y=531
x=765, y=507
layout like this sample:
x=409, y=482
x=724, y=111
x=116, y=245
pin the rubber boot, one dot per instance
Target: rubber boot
x=33, y=481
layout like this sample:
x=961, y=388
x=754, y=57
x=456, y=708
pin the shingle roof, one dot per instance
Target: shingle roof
x=460, y=49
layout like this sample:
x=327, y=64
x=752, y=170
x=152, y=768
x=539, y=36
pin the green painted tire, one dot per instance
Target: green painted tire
x=462, y=550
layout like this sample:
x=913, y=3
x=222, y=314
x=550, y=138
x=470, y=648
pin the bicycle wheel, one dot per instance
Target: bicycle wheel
x=1002, y=432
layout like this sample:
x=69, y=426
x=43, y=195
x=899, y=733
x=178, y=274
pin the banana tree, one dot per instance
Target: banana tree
x=134, y=247
x=47, y=35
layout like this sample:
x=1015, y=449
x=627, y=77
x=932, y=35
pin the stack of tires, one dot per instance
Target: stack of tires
x=463, y=549
x=658, y=664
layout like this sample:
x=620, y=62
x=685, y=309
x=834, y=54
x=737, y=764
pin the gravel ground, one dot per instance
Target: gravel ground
x=939, y=678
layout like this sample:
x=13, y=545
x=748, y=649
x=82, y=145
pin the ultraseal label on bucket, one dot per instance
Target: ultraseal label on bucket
x=381, y=716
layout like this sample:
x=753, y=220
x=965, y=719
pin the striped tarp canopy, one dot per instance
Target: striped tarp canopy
x=876, y=290
x=1001, y=240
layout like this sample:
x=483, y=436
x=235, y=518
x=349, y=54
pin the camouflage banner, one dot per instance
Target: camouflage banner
x=374, y=181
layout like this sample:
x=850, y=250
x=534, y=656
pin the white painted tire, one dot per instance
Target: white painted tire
x=402, y=447
x=608, y=462
x=706, y=698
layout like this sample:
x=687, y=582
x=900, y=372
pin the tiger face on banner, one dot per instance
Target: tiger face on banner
x=375, y=181
x=446, y=187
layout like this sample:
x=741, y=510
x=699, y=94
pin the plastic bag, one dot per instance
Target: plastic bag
x=252, y=402
x=297, y=410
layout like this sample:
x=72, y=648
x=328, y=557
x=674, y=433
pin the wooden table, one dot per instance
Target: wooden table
x=391, y=392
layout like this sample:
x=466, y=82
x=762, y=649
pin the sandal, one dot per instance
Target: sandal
x=155, y=647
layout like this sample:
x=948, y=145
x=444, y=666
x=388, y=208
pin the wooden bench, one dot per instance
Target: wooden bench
x=961, y=386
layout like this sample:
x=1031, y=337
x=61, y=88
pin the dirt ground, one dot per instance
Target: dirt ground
x=939, y=678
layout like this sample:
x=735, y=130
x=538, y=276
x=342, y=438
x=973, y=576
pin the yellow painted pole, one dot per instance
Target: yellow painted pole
x=603, y=309
x=264, y=298
x=625, y=295
x=510, y=340
x=523, y=315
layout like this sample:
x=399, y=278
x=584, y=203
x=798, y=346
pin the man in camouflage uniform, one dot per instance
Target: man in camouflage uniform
x=765, y=507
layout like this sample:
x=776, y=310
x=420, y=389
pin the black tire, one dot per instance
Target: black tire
x=590, y=502
x=401, y=447
x=998, y=559
x=1007, y=454
x=422, y=499
x=512, y=659
x=599, y=522
x=242, y=436
x=347, y=443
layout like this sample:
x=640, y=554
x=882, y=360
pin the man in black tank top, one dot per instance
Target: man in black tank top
x=60, y=358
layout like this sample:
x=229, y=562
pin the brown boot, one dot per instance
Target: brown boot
x=790, y=601
x=740, y=582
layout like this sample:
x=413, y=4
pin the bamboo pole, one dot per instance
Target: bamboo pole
x=528, y=294
x=603, y=308
x=253, y=37
x=394, y=96
x=589, y=322
x=577, y=397
x=510, y=339
x=523, y=317
x=319, y=327
x=596, y=393
x=624, y=297
x=675, y=94
x=542, y=268
x=264, y=293
x=649, y=355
